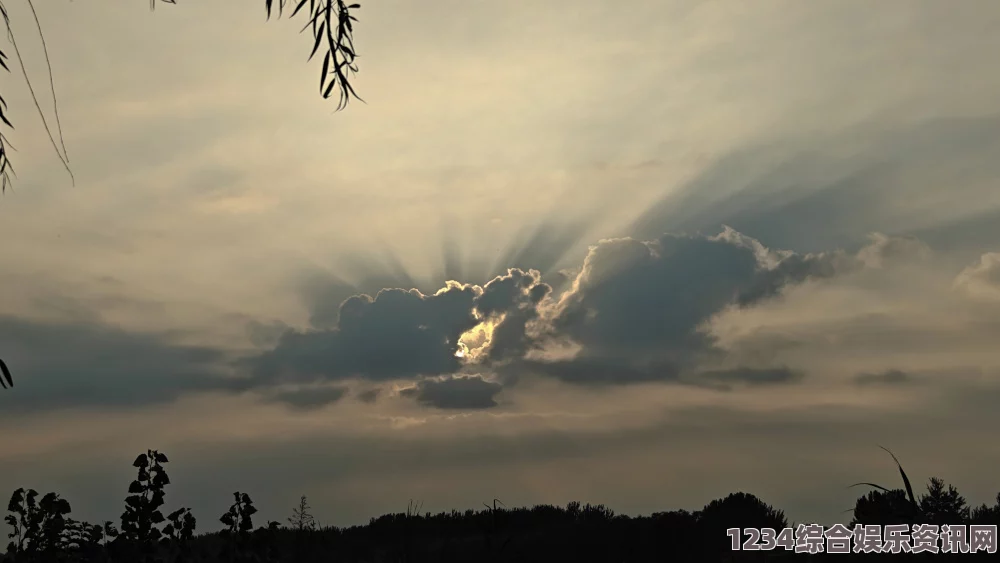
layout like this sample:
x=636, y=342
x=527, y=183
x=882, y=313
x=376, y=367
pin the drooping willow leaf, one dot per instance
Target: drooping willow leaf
x=5, y=378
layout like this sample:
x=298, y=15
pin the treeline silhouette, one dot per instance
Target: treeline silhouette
x=42, y=530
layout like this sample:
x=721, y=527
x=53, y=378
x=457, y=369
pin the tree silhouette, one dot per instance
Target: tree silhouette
x=983, y=514
x=943, y=506
x=884, y=508
x=332, y=27
x=738, y=510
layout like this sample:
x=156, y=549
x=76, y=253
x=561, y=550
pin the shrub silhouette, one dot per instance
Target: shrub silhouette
x=178, y=533
x=38, y=527
x=83, y=541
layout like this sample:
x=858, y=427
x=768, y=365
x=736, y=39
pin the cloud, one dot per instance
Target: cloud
x=405, y=333
x=265, y=335
x=900, y=316
x=752, y=376
x=885, y=251
x=637, y=310
x=308, y=399
x=457, y=392
x=632, y=296
x=512, y=301
x=397, y=333
x=323, y=292
x=92, y=365
x=981, y=280
x=541, y=246
x=369, y=395
x=596, y=371
x=546, y=245
x=888, y=377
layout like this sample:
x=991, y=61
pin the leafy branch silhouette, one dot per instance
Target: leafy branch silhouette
x=331, y=24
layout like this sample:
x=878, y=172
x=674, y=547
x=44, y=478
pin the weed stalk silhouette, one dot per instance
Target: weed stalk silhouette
x=489, y=534
x=239, y=522
x=140, y=532
x=301, y=519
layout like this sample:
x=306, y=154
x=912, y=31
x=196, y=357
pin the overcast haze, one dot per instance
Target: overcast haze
x=642, y=254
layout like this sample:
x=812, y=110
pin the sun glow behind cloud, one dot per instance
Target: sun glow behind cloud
x=474, y=344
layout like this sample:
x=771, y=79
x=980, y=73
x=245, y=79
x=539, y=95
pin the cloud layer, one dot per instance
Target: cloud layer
x=634, y=312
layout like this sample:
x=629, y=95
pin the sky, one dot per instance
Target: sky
x=642, y=255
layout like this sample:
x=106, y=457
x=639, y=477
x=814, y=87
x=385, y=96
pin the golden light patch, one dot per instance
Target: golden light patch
x=475, y=342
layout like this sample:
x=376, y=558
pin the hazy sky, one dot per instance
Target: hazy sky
x=751, y=241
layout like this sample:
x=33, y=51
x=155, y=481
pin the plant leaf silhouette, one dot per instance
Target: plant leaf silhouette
x=5, y=378
x=906, y=480
x=912, y=505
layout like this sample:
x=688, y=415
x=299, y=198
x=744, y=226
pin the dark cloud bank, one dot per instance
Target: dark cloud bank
x=634, y=313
